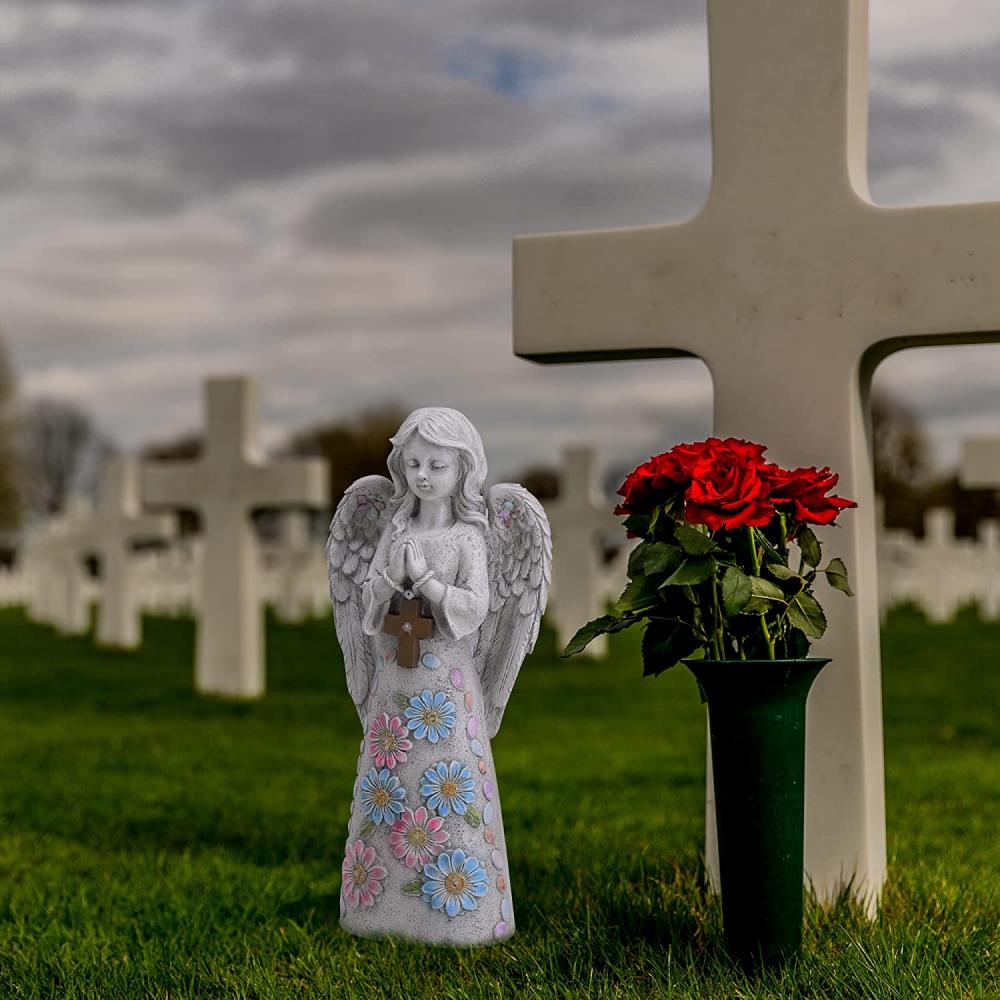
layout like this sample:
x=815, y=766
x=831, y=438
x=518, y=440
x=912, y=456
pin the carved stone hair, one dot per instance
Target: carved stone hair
x=445, y=428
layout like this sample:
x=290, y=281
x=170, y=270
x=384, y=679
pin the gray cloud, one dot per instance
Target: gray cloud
x=595, y=16
x=909, y=136
x=324, y=195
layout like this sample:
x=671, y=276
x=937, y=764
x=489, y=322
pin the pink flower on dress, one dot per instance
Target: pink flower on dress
x=387, y=741
x=362, y=873
x=417, y=837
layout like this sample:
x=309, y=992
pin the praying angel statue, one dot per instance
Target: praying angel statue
x=438, y=589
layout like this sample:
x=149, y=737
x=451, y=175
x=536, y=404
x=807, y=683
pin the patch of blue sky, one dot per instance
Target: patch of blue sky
x=511, y=72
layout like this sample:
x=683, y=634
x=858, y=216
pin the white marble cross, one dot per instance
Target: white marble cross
x=791, y=285
x=292, y=567
x=979, y=466
x=62, y=595
x=224, y=485
x=579, y=518
x=118, y=522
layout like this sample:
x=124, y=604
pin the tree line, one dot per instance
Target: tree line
x=50, y=449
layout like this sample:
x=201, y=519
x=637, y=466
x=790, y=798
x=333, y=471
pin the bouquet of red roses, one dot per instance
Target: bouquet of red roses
x=711, y=577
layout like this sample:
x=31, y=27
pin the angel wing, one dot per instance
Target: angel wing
x=358, y=522
x=519, y=545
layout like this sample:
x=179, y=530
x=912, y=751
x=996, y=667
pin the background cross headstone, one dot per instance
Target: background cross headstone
x=294, y=561
x=117, y=523
x=225, y=484
x=579, y=518
x=979, y=466
x=64, y=589
x=791, y=285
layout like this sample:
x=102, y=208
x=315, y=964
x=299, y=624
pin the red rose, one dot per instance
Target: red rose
x=727, y=489
x=658, y=480
x=802, y=493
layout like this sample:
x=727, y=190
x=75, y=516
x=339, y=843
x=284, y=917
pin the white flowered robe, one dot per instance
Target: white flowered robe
x=402, y=901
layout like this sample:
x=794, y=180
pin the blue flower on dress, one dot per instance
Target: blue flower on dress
x=430, y=716
x=455, y=881
x=448, y=788
x=382, y=798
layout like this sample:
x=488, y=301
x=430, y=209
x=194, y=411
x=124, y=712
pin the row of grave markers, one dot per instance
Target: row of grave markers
x=230, y=479
x=939, y=573
x=224, y=485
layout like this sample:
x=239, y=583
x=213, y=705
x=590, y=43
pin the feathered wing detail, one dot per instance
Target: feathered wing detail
x=358, y=522
x=519, y=545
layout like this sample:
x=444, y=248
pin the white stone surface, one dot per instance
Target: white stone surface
x=61, y=591
x=118, y=522
x=791, y=285
x=294, y=572
x=939, y=572
x=580, y=518
x=979, y=467
x=224, y=485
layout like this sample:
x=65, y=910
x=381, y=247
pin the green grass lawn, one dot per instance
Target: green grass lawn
x=154, y=844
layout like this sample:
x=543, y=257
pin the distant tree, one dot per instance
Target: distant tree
x=184, y=447
x=65, y=454
x=901, y=458
x=354, y=448
x=11, y=453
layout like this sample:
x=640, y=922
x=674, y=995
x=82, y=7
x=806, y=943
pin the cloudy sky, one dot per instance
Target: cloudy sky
x=323, y=193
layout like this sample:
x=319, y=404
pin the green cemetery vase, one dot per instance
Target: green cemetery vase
x=757, y=721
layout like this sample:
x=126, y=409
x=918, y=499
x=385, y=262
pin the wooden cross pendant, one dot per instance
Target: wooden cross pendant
x=410, y=627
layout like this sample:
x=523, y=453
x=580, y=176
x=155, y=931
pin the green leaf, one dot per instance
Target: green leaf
x=781, y=572
x=736, y=591
x=692, y=570
x=805, y=613
x=413, y=888
x=599, y=626
x=836, y=576
x=473, y=817
x=764, y=596
x=636, y=558
x=402, y=701
x=692, y=541
x=367, y=829
x=662, y=558
x=810, y=547
x=638, y=524
x=770, y=552
x=654, y=520
x=798, y=644
x=664, y=644
x=639, y=595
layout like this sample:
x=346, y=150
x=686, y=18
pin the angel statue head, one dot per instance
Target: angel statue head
x=462, y=480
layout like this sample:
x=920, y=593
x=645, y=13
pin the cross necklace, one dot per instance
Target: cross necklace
x=409, y=625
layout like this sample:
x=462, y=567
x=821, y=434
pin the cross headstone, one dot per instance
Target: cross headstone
x=979, y=466
x=293, y=564
x=791, y=285
x=224, y=485
x=63, y=596
x=409, y=625
x=118, y=522
x=578, y=518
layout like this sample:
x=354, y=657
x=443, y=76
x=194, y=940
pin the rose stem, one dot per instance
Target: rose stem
x=755, y=561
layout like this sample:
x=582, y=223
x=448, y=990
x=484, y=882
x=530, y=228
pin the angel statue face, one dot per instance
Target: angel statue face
x=432, y=471
x=437, y=454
